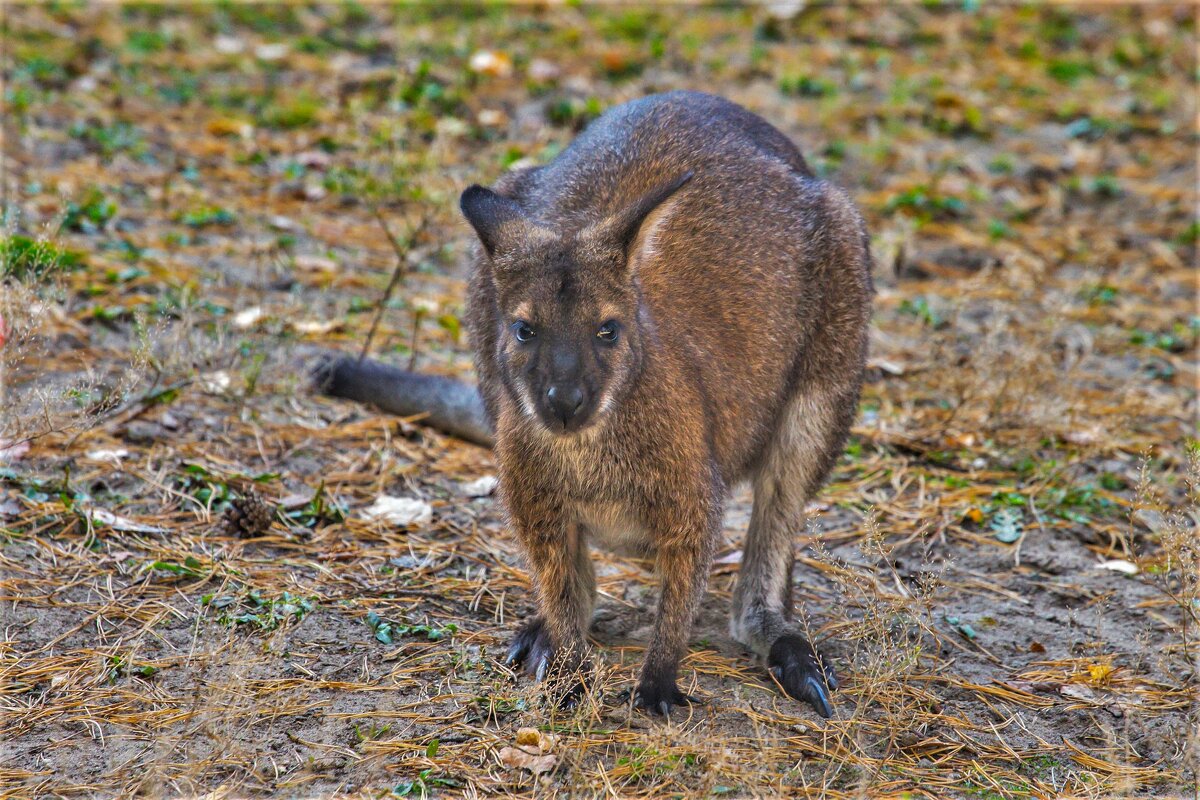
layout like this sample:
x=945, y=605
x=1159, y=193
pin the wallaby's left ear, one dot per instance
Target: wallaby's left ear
x=623, y=227
x=499, y=221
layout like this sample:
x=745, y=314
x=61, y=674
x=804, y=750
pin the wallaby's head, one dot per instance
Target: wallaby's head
x=567, y=300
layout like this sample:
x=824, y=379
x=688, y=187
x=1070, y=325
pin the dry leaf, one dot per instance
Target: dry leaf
x=883, y=365
x=1119, y=565
x=733, y=557
x=115, y=455
x=425, y=305
x=216, y=382
x=1151, y=519
x=614, y=60
x=315, y=264
x=229, y=126
x=1089, y=436
x=120, y=523
x=481, y=487
x=12, y=452
x=399, y=510
x=452, y=127
x=1076, y=691
x=314, y=159
x=535, y=763
x=274, y=51
x=543, y=71
x=315, y=326
x=248, y=318
x=296, y=500
x=492, y=118
x=1098, y=674
x=491, y=62
x=532, y=737
x=228, y=45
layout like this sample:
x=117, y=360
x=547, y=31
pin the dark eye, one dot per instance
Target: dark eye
x=522, y=331
x=607, y=332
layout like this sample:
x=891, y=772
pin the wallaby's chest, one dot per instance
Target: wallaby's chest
x=615, y=527
x=602, y=493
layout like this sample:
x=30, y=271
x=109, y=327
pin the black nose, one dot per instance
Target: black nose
x=565, y=401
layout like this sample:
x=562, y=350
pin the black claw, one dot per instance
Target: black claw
x=567, y=693
x=830, y=678
x=532, y=652
x=802, y=672
x=815, y=694
x=659, y=697
x=531, y=649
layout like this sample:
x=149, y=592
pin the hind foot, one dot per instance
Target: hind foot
x=802, y=672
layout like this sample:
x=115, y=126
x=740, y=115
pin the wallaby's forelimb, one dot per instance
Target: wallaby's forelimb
x=450, y=405
x=683, y=571
x=554, y=645
x=572, y=578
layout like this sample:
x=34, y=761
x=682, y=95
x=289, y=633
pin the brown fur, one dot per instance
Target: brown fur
x=742, y=298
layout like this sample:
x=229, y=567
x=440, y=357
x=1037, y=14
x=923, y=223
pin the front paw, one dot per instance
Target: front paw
x=659, y=696
x=531, y=649
x=802, y=672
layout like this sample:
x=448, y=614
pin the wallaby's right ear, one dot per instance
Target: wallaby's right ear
x=498, y=220
x=622, y=228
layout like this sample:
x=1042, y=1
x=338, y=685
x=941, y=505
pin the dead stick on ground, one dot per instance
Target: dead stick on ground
x=397, y=273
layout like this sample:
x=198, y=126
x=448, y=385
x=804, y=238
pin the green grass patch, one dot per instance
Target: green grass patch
x=263, y=613
x=23, y=258
x=91, y=212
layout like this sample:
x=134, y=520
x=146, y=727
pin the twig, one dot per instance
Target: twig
x=413, y=342
x=401, y=250
x=134, y=408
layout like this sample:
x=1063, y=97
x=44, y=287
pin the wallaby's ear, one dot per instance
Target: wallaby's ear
x=623, y=227
x=498, y=220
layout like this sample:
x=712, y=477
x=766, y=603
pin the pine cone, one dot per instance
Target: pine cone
x=249, y=515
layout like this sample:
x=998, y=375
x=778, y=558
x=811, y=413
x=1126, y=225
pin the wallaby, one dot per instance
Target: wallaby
x=672, y=305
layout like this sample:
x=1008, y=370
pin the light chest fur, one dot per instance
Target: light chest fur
x=612, y=527
x=597, y=489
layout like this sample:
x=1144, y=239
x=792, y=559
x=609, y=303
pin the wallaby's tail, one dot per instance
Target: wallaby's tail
x=449, y=405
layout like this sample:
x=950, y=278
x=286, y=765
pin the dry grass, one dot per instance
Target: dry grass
x=1033, y=374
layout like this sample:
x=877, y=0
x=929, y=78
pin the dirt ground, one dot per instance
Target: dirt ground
x=198, y=200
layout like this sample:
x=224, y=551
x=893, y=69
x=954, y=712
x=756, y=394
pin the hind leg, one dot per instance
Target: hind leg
x=810, y=436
